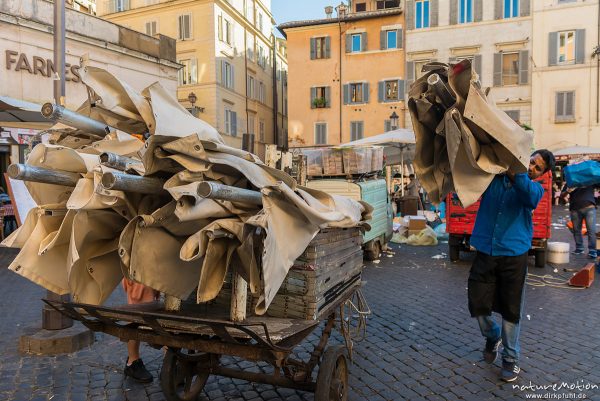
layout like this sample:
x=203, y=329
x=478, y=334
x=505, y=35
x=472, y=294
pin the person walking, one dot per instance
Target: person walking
x=582, y=206
x=502, y=237
x=412, y=188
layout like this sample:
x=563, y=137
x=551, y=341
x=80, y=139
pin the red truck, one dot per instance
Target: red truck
x=460, y=222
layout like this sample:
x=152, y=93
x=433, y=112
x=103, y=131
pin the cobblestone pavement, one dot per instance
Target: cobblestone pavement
x=421, y=343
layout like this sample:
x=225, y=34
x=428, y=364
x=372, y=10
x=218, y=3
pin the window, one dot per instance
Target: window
x=225, y=30
x=391, y=90
x=249, y=10
x=320, y=47
x=151, y=28
x=510, y=69
x=188, y=74
x=566, y=47
x=151, y=2
x=251, y=122
x=422, y=14
x=565, y=106
x=250, y=47
x=260, y=22
x=356, y=93
x=121, y=5
x=387, y=125
x=356, y=130
x=356, y=42
x=319, y=97
x=361, y=7
x=514, y=114
x=250, y=87
x=227, y=75
x=262, y=59
x=465, y=11
x=262, y=93
x=230, y=122
x=419, y=68
x=261, y=130
x=185, y=27
x=320, y=133
x=381, y=4
x=511, y=8
x=391, y=39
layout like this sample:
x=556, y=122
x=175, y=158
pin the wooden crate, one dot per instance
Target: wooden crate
x=333, y=162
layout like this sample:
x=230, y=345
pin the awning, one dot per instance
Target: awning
x=21, y=114
x=398, y=145
x=573, y=152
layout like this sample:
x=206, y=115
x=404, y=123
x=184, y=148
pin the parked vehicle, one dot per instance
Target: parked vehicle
x=373, y=191
x=460, y=222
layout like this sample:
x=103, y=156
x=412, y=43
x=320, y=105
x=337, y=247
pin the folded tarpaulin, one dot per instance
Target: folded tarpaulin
x=462, y=139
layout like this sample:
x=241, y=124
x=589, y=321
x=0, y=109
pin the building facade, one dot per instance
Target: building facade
x=496, y=35
x=565, y=74
x=228, y=53
x=26, y=45
x=346, y=73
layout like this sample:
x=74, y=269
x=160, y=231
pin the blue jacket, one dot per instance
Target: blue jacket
x=504, y=226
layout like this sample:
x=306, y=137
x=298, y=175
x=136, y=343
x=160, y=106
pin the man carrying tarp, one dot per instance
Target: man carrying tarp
x=502, y=236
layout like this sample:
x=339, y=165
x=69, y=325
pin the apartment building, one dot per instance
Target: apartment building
x=346, y=73
x=228, y=52
x=496, y=35
x=566, y=66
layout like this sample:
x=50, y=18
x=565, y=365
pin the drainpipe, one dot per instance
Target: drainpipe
x=59, y=52
x=597, y=54
x=275, y=97
x=340, y=77
x=246, y=83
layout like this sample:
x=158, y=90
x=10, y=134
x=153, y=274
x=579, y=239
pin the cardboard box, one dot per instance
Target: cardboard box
x=417, y=223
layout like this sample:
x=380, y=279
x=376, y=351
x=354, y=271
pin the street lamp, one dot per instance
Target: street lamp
x=394, y=120
x=192, y=99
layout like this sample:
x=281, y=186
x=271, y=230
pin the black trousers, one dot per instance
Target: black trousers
x=496, y=284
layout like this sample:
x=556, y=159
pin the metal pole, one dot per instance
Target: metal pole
x=214, y=190
x=58, y=113
x=59, y=52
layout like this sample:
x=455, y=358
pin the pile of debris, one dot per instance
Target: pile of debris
x=174, y=212
x=462, y=139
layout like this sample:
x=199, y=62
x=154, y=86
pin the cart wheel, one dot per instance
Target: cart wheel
x=180, y=379
x=372, y=250
x=540, y=257
x=454, y=252
x=332, y=380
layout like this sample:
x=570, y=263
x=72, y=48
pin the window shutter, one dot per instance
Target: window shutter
x=387, y=125
x=453, y=12
x=399, y=39
x=477, y=59
x=313, y=48
x=365, y=87
x=381, y=91
x=180, y=18
x=434, y=12
x=346, y=94
x=187, y=26
x=410, y=14
x=382, y=40
x=498, y=9
x=560, y=101
x=523, y=67
x=363, y=41
x=401, y=89
x=361, y=130
x=232, y=78
x=570, y=105
x=328, y=47
x=220, y=28
x=580, y=46
x=524, y=8
x=497, y=69
x=233, y=123
x=410, y=74
x=553, y=48
x=313, y=96
x=327, y=96
x=126, y=5
x=112, y=6
x=478, y=10
x=348, y=43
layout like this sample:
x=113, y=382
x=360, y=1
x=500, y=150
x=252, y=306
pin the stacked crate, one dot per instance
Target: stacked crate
x=332, y=162
x=329, y=267
x=357, y=160
x=377, y=159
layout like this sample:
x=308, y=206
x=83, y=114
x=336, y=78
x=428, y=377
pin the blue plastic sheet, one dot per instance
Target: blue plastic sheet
x=582, y=174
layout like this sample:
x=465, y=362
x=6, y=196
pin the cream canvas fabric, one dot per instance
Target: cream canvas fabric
x=462, y=147
x=173, y=241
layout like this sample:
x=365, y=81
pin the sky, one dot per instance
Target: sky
x=292, y=10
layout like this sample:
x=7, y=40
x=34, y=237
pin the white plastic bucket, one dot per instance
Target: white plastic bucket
x=558, y=252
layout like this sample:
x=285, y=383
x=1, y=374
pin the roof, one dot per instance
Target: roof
x=348, y=18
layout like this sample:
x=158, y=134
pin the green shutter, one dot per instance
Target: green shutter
x=327, y=96
x=382, y=40
x=313, y=96
x=346, y=93
x=497, y=69
x=328, y=47
x=313, y=49
x=580, y=46
x=365, y=88
x=523, y=67
x=381, y=91
x=553, y=48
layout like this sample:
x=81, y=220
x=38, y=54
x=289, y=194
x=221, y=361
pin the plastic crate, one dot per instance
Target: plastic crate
x=314, y=161
x=332, y=162
x=377, y=159
x=357, y=160
x=461, y=221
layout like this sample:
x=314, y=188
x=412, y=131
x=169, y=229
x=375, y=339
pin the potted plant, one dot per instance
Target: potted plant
x=319, y=102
